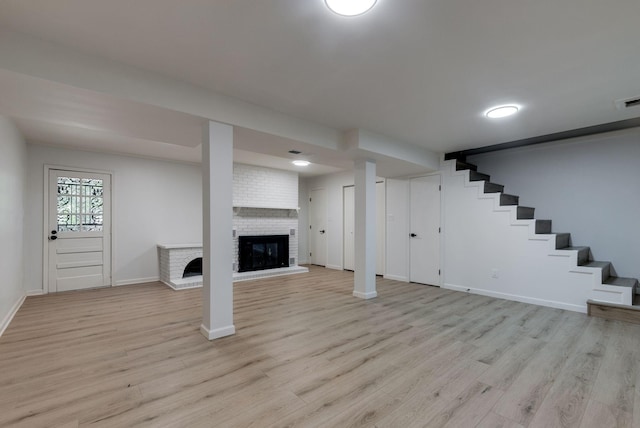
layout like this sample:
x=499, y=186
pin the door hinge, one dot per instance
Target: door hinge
x=440, y=187
x=310, y=255
x=309, y=199
x=438, y=271
x=439, y=230
x=309, y=226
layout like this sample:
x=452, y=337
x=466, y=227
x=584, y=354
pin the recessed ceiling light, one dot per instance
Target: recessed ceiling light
x=350, y=7
x=501, y=111
x=301, y=163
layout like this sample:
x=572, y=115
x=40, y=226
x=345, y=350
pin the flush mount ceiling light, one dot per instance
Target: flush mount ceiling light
x=501, y=111
x=350, y=7
x=301, y=163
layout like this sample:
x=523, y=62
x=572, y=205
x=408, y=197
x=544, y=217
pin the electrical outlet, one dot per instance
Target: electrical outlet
x=494, y=273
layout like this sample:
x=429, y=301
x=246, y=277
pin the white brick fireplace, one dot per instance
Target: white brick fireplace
x=174, y=258
x=265, y=202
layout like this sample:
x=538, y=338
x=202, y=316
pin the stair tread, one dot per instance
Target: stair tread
x=621, y=281
x=635, y=307
x=577, y=248
x=597, y=264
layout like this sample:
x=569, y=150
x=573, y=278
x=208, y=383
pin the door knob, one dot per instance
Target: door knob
x=322, y=232
x=413, y=235
x=53, y=237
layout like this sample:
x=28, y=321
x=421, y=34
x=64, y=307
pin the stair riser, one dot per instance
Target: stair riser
x=493, y=188
x=460, y=166
x=606, y=272
x=525, y=213
x=478, y=176
x=543, y=227
x=509, y=199
x=562, y=240
x=583, y=256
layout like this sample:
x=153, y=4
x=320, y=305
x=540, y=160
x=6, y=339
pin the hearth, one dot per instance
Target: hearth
x=263, y=252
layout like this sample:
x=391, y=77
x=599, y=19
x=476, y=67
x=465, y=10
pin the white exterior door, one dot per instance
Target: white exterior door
x=318, y=227
x=79, y=232
x=349, y=227
x=424, y=238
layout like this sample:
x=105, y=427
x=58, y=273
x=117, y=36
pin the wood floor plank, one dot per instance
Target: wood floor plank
x=526, y=393
x=307, y=353
x=464, y=410
x=615, y=384
x=565, y=404
x=493, y=420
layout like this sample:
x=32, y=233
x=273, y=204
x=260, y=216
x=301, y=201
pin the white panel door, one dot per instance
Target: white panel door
x=79, y=234
x=424, y=238
x=349, y=250
x=318, y=227
x=381, y=214
x=349, y=227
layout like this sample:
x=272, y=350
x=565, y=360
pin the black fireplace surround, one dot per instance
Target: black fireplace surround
x=263, y=252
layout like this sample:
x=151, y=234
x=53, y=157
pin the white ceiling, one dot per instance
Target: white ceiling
x=417, y=71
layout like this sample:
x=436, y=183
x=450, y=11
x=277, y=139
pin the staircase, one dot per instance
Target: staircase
x=600, y=303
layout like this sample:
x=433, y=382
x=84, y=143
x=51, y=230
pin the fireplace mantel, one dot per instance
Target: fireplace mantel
x=177, y=246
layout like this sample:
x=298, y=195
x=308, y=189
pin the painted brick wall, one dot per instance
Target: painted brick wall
x=260, y=187
x=269, y=197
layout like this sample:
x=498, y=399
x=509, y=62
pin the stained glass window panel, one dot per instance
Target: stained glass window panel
x=80, y=204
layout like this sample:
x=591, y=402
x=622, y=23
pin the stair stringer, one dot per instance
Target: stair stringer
x=532, y=271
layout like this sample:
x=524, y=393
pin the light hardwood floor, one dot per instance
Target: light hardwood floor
x=307, y=353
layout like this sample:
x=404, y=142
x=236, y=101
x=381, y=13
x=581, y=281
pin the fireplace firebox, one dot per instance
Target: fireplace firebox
x=194, y=268
x=263, y=252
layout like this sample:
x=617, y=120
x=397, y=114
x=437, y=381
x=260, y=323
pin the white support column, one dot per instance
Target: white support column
x=217, y=214
x=365, y=230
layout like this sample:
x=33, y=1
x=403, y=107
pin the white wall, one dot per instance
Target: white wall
x=588, y=187
x=303, y=221
x=153, y=202
x=13, y=159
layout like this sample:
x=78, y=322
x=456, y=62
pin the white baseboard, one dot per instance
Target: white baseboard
x=334, y=267
x=217, y=332
x=396, y=278
x=368, y=295
x=517, y=298
x=136, y=281
x=9, y=317
x=35, y=293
